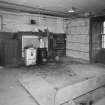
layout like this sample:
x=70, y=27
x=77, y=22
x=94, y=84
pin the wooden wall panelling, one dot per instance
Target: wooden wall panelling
x=21, y=22
x=77, y=44
x=10, y=50
x=4, y=36
x=77, y=54
x=60, y=25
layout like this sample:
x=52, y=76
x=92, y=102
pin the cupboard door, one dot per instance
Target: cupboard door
x=60, y=45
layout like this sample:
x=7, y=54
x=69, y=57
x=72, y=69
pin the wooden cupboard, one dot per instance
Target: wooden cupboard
x=57, y=45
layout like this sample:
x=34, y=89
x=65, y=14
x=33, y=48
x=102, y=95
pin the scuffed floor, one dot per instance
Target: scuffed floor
x=60, y=75
x=12, y=93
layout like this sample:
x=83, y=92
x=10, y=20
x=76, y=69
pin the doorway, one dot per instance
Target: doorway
x=97, y=40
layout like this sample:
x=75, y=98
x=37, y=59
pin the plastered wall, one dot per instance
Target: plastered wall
x=77, y=42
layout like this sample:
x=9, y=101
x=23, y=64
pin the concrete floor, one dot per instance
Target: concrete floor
x=11, y=92
x=100, y=102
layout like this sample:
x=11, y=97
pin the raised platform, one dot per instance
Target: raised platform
x=57, y=84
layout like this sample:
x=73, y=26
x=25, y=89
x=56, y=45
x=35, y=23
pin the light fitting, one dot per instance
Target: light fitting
x=71, y=10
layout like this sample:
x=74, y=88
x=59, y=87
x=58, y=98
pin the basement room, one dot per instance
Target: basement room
x=52, y=52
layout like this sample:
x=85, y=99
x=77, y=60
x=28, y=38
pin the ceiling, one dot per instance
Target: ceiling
x=54, y=7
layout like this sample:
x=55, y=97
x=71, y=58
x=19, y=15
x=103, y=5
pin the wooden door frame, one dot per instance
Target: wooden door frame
x=1, y=25
x=100, y=19
x=90, y=40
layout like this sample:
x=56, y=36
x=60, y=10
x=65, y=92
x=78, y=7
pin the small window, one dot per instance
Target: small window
x=103, y=35
x=104, y=27
x=103, y=40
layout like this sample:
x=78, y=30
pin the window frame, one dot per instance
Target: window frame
x=103, y=35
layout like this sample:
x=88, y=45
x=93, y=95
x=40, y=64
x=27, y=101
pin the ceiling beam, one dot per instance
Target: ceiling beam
x=23, y=8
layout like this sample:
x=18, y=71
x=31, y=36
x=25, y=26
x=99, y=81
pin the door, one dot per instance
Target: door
x=95, y=39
